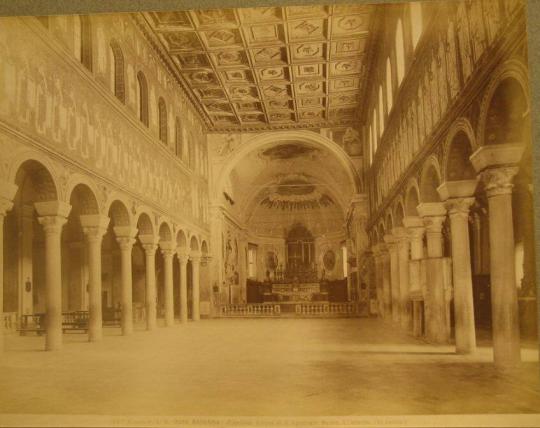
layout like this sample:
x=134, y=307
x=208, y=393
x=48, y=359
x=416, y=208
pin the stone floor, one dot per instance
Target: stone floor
x=261, y=367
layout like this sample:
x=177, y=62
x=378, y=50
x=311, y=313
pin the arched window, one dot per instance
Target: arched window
x=416, y=22
x=381, y=112
x=117, y=71
x=162, y=112
x=400, y=52
x=178, y=139
x=186, y=155
x=375, y=140
x=86, y=41
x=142, y=98
x=370, y=146
x=191, y=153
x=389, y=92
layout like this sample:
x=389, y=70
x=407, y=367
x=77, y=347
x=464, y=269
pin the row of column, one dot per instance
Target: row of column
x=52, y=216
x=401, y=275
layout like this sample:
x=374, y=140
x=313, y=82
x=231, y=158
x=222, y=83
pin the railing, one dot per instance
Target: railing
x=75, y=320
x=250, y=310
x=328, y=309
x=345, y=309
x=10, y=322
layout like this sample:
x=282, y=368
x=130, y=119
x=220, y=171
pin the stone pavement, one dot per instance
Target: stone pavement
x=258, y=367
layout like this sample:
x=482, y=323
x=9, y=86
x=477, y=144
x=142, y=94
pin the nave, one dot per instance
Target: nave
x=263, y=367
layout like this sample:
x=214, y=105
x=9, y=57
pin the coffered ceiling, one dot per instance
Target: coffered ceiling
x=270, y=67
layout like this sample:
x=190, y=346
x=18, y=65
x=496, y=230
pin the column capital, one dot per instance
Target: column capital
x=125, y=231
x=52, y=224
x=125, y=236
x=125, y=242
x=416, y=232
x=400, y=233
x=52, y=208
x=167, y=248
x=390, y=241
x=459, y=206
x=457, y=189
x=183, y=255
x=195, y=256
x=149, y=243
x=379, y=249
x=412, y=221
x=434, y=224
x=5, y=206
x=94, y=226
x=431, y=209
x=498, y=181
x=496, y=155
x=7, y=194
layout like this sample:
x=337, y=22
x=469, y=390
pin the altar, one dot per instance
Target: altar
x=295, y=293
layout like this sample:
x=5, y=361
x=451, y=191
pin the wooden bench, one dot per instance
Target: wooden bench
x=33, y=323
x=111, y=317
x=75, y=321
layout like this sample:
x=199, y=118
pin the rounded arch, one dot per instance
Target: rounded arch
x=306, y=137
x=181, y=239
x=144, y=224
x=162, y=121
x=389, y=221
x=382, y=231
x=516, y=71
x=412, y=198
x=117, y=71
x=142, y=98
x=86, y=184
x=459, y=145
x=400, y=52
x=165, y=232
x=204, y=247
x=430, y=179
x=194, y=243
x=83, y=199
x=41, y=172
x=119, y=214
x=399, y=213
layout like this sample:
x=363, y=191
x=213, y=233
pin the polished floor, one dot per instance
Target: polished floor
x=261, y=367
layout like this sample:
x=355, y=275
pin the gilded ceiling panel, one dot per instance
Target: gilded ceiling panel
x=260, y=68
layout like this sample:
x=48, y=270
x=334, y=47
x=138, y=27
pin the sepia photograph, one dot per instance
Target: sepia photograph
x=268, y=214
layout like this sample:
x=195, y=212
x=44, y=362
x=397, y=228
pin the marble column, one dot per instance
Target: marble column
x=183, y=258
x=4, y=206
x=149, y=244
x=168, y=249
x=415, y=232
x=125, y=238
x=385, y=279
x=405, y=317
x=458, y=197
x=391, y=243
x=504, y=302
x=195, y=258
x=435, y=302
x=497, y=165
x=52, y=216
x=7, y=193
x=94, y=227
x=377, y=277
x=25, y=258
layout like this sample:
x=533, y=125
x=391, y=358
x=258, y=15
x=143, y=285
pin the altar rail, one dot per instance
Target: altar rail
x=299, y=310
x=10, y=322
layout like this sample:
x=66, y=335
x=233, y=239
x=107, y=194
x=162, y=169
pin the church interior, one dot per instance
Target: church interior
x=268, y=210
